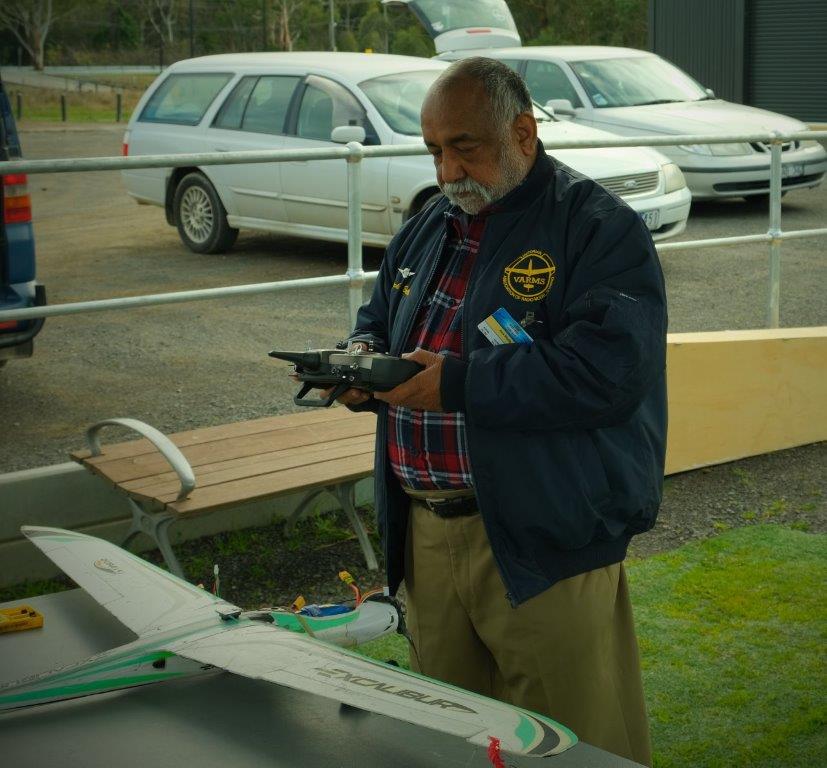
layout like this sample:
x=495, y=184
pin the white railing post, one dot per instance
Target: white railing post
x=354, y=228
x=774, y=299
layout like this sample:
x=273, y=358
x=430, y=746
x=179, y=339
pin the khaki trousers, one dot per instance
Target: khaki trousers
x=569, y=653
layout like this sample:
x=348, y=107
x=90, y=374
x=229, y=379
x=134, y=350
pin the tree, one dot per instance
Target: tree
x=573, y=22
x=30, y=21
x=161, y=14
x=346, y=41
x=238, y=26
x=374, y=30
x=411, y=41
x=297, y=24
x=117, y=29
x=530, y=17
x=282, y=17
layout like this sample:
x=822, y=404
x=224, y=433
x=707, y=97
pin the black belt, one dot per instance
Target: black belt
x=459, y=507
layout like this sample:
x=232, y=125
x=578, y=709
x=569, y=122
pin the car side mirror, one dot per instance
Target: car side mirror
x=709, y=92
x=561, y=107
x=342, y=134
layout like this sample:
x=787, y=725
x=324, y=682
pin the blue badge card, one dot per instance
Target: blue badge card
x=502, y=328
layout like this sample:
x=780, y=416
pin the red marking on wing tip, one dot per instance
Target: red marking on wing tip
x=494, y=752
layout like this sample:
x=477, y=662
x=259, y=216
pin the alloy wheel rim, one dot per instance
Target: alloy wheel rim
x=196, y=214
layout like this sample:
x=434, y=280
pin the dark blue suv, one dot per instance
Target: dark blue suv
x=18, y=288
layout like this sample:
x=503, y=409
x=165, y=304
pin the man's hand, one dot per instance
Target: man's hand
x=421, y=391
x=350, y=396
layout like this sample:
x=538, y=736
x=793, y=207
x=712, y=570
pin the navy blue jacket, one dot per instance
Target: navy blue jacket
x=566, y=436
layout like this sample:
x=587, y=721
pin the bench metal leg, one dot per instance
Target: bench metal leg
x=344, y=493
x=290, y=523
x=156, y=526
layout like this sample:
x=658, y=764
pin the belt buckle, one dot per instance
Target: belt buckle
x=437, y=505
x=445, y=508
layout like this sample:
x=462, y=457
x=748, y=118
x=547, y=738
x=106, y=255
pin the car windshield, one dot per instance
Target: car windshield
x=636, y=81
x=440, y=16
x=398, y=98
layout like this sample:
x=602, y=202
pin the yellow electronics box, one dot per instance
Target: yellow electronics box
x=19, y=618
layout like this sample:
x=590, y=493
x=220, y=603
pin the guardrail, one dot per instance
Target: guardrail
x=353, y=153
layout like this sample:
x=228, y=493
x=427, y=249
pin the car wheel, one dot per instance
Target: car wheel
x=200, y=216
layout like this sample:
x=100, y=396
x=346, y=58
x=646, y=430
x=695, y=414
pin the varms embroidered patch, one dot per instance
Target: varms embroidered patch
x=530, y=276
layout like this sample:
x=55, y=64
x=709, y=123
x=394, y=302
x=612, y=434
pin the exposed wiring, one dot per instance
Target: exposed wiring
x=298, y=604
x=373, y=593
x=402, y=627
x=349, y=580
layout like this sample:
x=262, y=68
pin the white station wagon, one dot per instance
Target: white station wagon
x=312, y=100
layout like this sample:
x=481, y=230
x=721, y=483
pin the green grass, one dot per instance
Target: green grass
x=33, y=589
x=732, y=633
x=43, y=105
x=732, y=639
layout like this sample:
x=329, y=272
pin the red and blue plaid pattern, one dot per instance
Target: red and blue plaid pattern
x=428, y=449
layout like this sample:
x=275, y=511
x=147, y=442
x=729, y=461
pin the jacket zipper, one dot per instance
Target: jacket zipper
x=420, y=298
x=396, y=349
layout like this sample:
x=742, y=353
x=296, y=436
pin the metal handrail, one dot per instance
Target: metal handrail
x=354, y=153
x=73, y=165
x=178, y=297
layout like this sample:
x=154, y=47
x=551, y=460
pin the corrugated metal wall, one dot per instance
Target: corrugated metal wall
x=786, y=57
x=767, y=53
x=703, y=37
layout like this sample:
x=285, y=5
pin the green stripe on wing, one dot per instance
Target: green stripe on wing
x=94, y=686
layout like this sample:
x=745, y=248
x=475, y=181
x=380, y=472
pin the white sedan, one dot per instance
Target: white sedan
x=635, y=93
x=311, y=100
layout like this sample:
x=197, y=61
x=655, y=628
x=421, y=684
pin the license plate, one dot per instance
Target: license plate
x=792, y=169
x=650, y=218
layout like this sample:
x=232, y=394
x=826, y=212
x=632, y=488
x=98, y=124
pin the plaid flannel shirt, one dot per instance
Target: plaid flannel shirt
x=428, y=449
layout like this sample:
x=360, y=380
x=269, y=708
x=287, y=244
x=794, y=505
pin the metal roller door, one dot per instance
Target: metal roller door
x=786, y=62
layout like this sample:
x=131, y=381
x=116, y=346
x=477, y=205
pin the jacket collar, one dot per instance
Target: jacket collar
x=532, y=186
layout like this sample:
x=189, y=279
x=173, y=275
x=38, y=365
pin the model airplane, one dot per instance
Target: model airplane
x=184, y=630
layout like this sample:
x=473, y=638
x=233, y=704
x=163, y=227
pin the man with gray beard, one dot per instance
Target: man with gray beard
x=513, y=470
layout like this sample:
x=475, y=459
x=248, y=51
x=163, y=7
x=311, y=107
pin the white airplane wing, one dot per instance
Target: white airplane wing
x=149, y=600
x=145, y=598
x=264, y=652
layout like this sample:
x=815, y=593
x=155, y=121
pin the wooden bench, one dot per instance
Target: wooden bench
x=167, y=478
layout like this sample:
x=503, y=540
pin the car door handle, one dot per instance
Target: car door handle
x=221, y=149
